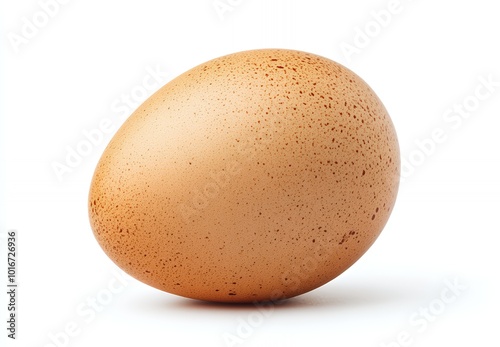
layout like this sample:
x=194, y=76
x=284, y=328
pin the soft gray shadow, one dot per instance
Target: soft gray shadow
x=329, y=296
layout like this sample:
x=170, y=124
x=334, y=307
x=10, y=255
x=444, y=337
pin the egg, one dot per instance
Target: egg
x=259, y=175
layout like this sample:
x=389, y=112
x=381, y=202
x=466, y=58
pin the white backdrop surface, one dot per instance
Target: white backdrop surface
x=71, y=67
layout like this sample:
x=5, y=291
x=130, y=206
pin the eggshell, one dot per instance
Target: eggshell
x=260, y=175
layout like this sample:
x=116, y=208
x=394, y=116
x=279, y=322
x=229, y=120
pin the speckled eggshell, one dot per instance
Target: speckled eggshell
x=260, y=175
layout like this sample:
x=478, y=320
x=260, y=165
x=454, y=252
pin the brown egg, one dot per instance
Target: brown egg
x=260, y=175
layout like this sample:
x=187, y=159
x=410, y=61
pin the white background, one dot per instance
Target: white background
x=429, y=57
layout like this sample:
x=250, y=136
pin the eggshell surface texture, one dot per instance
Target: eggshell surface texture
x=259, y=175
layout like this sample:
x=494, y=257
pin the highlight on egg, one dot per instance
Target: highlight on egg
x=259, y=175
